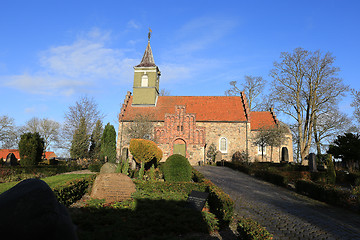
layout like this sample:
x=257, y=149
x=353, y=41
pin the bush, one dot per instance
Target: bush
x=145, y=150
x=326, y=193
x=95, y=167
x=250, y=229
x=220, y=203
x=197, y=176
x=211, y=221
x=73, y=191
x=245, y=168
x=273, y=177
x=318, y=177
x=31, y=147
x=177, y=169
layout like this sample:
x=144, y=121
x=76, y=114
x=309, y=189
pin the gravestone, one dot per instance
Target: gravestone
x=30, y=210
x=312, y=162
x=108, y=168
x=113, y=187
x=197, y=200
x=11, y=160
x=218, y=156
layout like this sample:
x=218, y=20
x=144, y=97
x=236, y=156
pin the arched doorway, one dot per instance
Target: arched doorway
x=284, y=154
x=179, y=147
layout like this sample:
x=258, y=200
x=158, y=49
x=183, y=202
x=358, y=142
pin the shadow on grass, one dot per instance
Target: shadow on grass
x=149, y=219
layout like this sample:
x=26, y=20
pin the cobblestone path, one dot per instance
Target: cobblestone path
x=285, y=214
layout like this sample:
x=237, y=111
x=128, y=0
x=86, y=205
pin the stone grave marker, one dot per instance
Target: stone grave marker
x=113, y=187
x=312, y=162
x=108, y=168
x=197, y=200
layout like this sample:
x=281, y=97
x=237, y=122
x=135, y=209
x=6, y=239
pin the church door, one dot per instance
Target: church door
x=179, y=147
x=284, y=154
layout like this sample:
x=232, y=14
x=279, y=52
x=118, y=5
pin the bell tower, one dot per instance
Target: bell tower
x=146, y=79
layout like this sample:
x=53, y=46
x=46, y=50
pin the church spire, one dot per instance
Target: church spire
x=146, y=79
x=148, y=58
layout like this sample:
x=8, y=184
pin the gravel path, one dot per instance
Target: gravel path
x=285, y=214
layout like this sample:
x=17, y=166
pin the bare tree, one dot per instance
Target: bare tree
x=85, y=108
x=8, y=132
x=253, y=88
x=356, y=104
x=272, y=137
x=48, y=129
x=141, y=127
x=164, y=92
x=328, y=124
x=305, y=82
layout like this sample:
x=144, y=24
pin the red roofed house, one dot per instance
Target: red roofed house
x=5, y=153
x=188, y=125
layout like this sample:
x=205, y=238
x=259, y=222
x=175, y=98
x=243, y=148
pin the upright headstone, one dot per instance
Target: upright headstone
x=113, y=187
x=312, y=162
x=11, y=160
x=108, y=168
x=218, y=156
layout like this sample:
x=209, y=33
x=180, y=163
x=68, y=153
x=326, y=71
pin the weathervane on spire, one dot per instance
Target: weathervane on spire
x=149, y=34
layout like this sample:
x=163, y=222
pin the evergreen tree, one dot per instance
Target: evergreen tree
x=80, y=142
x=108, y=143
x=31, y=148
x=95, y=141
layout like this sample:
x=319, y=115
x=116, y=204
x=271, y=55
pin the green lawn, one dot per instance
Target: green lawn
x=52, y=181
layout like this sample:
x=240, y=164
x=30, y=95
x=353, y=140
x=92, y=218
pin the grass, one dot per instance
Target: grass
x=52, y=181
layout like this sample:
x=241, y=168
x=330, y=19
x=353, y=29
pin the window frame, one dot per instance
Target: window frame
x=226, y=145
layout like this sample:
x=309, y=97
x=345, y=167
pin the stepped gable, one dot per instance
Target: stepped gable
x=205, y=108
x=262, y=120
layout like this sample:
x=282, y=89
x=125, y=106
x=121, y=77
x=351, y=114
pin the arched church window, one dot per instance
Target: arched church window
x=223, y=145
x=261, y=150
x=144, y=81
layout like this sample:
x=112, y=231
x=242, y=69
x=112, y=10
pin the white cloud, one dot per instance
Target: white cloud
x=199, y=33
x=133, y=24
x=84, y=64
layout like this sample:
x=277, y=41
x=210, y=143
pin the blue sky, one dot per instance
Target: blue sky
x=53, y=52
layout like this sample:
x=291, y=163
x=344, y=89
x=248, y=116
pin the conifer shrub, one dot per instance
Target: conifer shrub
x=177, y=169
x=31, y=147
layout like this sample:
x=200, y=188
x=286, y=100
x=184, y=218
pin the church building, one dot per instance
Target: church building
x=189, y=125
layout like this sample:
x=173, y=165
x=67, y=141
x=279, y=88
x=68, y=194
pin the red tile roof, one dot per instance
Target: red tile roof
x=205, y=108
x=261, y=120
x=50, y=155
x=5, y=152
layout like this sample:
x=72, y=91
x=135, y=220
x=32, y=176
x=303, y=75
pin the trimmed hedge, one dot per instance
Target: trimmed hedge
x=326, y=193
x=220, y=203
x=273, y=177
x=197, y=176
x=18, y=173
x=240, y=167
x=177, y=169
x=250, y=229
x=73, y=191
